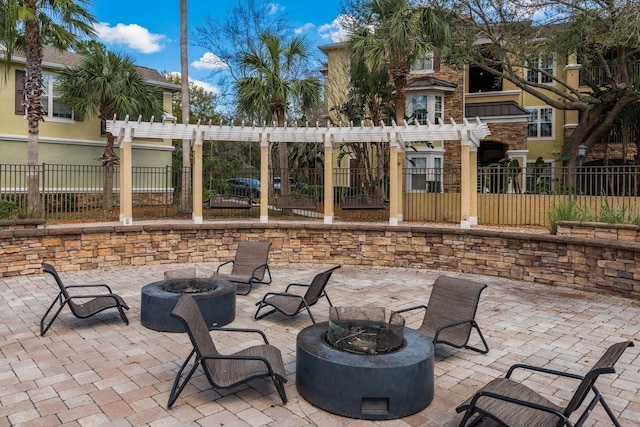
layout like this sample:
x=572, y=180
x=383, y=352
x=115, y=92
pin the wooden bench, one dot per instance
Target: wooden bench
x=228, y=201
x=297, y=201
x=362, y=201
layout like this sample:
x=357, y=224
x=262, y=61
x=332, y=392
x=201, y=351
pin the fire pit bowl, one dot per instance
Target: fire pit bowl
x=365, y=330
x=216, y=299
x=359, y=384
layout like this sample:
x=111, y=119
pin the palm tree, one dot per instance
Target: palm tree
x=402, y=32
x=25, y=25
x=105, y=84
x=185, y=206
x=273, y=82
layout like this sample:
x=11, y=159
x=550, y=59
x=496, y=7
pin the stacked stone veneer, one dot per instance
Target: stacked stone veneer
x=584, y=262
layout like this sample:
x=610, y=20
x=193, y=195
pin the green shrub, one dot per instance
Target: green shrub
x=621, y=215
x=9, y=209
x=567, y=211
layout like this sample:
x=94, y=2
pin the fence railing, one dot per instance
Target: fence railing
x=506, y=196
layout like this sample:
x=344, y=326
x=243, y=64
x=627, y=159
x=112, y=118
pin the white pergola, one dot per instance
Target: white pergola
x=468, y=133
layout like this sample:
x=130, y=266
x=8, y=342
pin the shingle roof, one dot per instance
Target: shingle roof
x=422, y=82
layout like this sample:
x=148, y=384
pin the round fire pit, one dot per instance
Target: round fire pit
x=216, y=299
x=365, y=386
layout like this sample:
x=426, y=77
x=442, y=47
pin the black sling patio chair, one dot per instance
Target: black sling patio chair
x=224, y=371
x=249, y=265
x=450, y=313
x=81, y=305
x=291, y=304
x=513, y=404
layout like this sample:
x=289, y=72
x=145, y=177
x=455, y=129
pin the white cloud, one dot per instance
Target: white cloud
x=273, y=8
x=306, y=27
x=133, y=36
x=335, y=31
x=209, y=61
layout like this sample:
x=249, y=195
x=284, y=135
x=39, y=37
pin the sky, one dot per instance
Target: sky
x=150, y=31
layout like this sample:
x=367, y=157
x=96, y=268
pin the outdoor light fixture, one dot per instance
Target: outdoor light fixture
x=582, y=152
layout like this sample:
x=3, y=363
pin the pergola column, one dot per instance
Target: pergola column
x=197, y=179
x=264, y=177
x=126, y=186
x=328, y=179
x=465, y=184
x=393, y=178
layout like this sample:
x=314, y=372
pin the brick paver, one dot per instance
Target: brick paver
x=99, y=371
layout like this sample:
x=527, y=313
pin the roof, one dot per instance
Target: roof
x=58, y=59
x=428, y=82
x=494, y=109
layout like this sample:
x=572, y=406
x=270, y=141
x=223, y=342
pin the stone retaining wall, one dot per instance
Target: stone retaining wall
x=582, y=262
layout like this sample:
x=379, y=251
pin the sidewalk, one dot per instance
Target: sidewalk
x=98, y=371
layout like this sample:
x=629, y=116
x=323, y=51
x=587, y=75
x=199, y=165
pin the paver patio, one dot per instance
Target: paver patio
x=98, y=371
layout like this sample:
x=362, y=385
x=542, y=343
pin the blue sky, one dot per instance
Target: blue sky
x=150, y=31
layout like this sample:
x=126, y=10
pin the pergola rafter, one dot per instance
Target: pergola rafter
x=468, y=133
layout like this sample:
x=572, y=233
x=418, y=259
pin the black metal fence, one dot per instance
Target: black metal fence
x=506, y=196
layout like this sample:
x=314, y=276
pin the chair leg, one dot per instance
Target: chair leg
x=175, y=390
x=43, y=329
x=248, y=290
x=280, y=387
x=263, y=314
x=123, y=316
x=484, y=342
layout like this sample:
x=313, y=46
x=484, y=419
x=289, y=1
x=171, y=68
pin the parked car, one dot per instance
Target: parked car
x=295, y=185
x=249, y=187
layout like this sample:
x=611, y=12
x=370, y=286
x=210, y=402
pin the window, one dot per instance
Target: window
x=544, y=63
x=539, y=177
x=53, y=107
x=540, y=123
x=423, y=64
x=425, y=173
x=427, y=106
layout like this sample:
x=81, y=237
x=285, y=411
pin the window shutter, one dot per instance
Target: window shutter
x=20, y=91
x=436, y=62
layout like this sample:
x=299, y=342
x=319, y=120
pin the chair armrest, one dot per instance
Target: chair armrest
x=424, y=307
x=256, y=331
x=98, y=285
x=224, y=263
x=253, y=273
x=544, y=370
x=296, y=284
x=481, y=393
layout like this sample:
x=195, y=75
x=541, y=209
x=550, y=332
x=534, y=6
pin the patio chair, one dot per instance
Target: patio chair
x=81, y=305
x=249, y=265
x=291, y=304
x=513, y=404
x=224, y=371
x=450, y=314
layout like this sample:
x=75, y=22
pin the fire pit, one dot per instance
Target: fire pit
x=365, y=364
x=216, y=299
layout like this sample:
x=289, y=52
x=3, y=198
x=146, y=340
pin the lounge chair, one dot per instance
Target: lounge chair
x=450, y=314
x=249, y=265
x=81, y=305
x=513, y=404
x=224, y=371
x=291, y=304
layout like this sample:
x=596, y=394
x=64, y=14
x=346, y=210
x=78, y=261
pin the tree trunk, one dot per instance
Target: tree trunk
x=109, y=159
x=283, y=158
x=400, y=82
x=185, y=197
x=35, y=113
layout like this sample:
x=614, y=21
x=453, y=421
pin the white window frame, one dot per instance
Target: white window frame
x=49, y=95
x=423, y=65
x=426, y=165
x=539, y=123
x=434, y=104
x=544, y=62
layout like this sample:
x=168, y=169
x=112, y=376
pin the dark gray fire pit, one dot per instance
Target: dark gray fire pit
x=216, y=299
x=388, y=382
